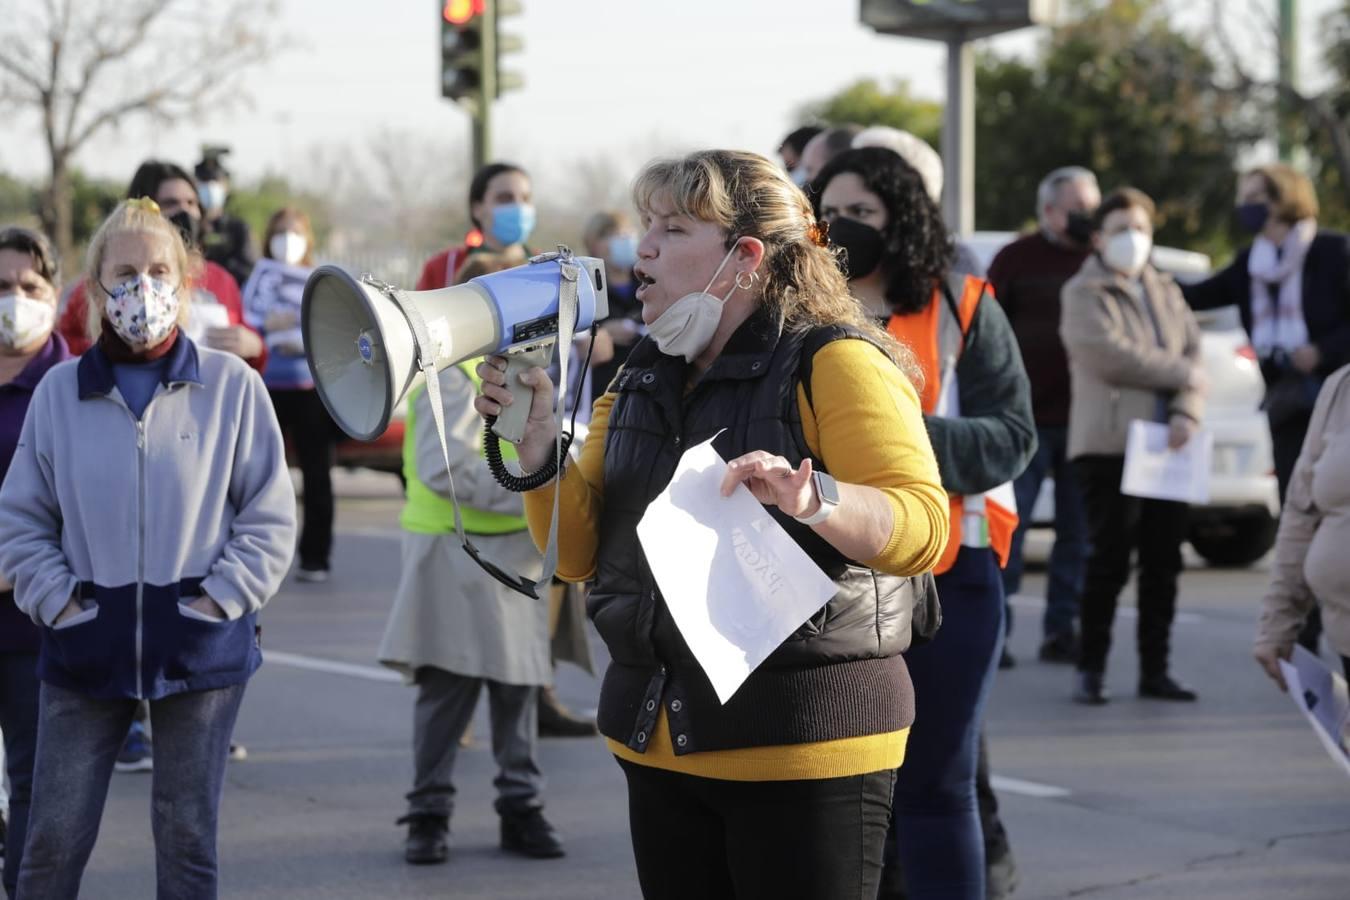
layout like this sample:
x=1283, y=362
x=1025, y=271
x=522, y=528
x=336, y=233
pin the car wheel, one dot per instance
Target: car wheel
x=1234, y=541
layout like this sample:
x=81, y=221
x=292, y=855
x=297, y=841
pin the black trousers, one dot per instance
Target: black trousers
x=1118, y=526
x=778, y=840
x=313, y=434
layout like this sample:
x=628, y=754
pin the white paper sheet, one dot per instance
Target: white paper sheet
x=1158, y=473
x=735, y=583
x=1320, y=694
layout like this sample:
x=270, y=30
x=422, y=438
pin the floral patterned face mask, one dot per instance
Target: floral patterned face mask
x=142, y=310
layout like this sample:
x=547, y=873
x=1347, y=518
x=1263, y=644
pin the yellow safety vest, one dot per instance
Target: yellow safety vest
x=427, y=512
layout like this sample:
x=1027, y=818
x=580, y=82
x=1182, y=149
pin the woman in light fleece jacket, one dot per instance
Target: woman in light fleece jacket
x=146, y=518
x=1311, y=566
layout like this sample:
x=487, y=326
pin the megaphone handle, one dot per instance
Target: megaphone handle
x=510, y=424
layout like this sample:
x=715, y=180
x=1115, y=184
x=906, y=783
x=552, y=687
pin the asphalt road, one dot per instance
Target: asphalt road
x=1229, y=798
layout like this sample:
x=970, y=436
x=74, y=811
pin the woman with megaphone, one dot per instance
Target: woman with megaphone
x=756, y=344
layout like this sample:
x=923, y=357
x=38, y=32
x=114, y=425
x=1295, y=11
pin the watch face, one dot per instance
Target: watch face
x=828, y=489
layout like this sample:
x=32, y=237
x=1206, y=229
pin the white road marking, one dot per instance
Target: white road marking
x=333, y=667
x=1022, y=601
x=1027, y=788
x=375, y=673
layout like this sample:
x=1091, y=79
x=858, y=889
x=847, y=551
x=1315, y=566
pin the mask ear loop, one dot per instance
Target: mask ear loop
x=720, y=266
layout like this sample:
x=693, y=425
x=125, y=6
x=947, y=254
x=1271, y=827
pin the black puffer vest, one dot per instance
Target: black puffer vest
x=840, y=675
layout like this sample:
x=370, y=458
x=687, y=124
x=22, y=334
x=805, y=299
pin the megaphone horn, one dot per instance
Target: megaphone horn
x=362, y=336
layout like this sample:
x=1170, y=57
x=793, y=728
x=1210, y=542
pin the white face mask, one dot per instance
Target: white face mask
x=142, y=310
x=687, y=327
x=1127, y=252
x=23, y=321
x=288, y=247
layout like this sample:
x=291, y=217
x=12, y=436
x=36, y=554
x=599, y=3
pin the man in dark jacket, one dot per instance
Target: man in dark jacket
x=226, y=239
x=1027, y=276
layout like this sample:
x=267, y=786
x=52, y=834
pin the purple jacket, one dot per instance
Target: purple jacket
x=18, y=634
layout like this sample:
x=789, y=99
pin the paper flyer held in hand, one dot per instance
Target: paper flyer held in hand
x=1156, y=472
x=1320, y=694
x=736, y=584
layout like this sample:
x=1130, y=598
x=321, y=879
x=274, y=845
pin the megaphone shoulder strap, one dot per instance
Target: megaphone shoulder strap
x=569, y=275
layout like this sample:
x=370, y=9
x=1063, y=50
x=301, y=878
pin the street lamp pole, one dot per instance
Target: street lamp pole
x=958, y=135
x=1288, y=76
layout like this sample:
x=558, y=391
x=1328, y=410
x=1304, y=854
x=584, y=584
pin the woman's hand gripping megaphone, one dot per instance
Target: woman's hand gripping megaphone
x=541, y=430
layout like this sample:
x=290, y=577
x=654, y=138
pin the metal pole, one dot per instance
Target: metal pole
x=1288, y=74
x=958, y=136
x=487, y=87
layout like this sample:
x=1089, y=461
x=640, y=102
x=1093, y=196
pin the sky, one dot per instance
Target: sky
x=624, y=79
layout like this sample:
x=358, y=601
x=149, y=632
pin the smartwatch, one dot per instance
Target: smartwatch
x=827, y=491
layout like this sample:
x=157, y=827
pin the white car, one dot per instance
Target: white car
x=1237, y=527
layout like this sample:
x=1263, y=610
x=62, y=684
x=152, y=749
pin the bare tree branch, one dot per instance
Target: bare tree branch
x=81, y=70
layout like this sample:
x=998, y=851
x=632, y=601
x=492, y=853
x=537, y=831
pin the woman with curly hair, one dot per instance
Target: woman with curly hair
x=977, y=408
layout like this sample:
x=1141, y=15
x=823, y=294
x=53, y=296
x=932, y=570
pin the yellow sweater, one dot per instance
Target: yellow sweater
x=866, y=425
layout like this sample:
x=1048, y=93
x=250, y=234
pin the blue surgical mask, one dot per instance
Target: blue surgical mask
x=512, y=223
x=623, y=251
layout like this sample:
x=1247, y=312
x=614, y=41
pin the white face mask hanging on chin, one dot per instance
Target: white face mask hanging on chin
x=687, y=327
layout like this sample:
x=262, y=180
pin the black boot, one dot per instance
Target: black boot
x=1091, y=689
x=1060, y=648
x=1164, y=687
x=530, y=834
x=556, y=720
x=426, y=842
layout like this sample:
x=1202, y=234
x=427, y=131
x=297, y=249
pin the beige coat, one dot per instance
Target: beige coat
x=448, y=612
x=1312, y=552
x=1118, y=368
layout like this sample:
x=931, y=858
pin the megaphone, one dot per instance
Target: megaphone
x=362, y=336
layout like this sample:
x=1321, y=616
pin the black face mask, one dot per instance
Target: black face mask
x=188, y=226
x=1078, y=228
x=862, y=245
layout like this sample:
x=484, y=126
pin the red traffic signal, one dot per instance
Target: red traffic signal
x=460, y=12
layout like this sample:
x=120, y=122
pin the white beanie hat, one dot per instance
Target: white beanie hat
x=913, y=150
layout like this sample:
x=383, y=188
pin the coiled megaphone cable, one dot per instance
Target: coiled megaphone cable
x=492, y=444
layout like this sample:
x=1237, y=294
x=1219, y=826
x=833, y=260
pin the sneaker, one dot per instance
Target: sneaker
x=556, y=720
x=137, y=753
x=311, y=576
x=238, y=752
x=1090, y=688
x=426, y=843
x=1007, y=660
x=530, y=834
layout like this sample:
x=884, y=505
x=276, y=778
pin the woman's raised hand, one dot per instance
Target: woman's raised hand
x=773, y=481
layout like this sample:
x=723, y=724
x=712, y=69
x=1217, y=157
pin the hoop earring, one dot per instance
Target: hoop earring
x=749, y=280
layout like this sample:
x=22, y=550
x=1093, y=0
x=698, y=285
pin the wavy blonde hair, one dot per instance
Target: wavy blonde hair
x=748, y=196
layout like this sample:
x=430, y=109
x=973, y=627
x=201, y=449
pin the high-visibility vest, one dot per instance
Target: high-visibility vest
x=427, y=512
x=937, y=335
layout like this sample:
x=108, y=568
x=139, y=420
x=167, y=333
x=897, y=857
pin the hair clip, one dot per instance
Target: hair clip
x=818, y=233
x=144, y=204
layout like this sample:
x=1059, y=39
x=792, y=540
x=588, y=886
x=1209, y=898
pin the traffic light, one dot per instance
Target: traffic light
x=462, y=56
x=506, y=43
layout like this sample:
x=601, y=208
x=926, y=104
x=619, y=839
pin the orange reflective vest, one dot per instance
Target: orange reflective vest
x=937, y=335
